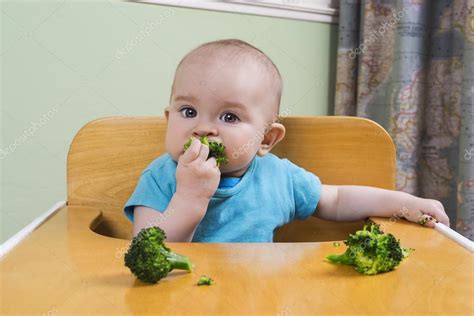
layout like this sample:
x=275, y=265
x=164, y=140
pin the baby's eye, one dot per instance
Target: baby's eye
x=229, y=118
x=188, y=112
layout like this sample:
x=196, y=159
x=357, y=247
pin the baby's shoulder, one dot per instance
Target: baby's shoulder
x=273, y=163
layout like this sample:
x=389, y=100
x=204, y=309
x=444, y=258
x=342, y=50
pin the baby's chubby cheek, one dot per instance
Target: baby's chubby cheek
x=240, y=155
x=241, y=150
x=175, y=149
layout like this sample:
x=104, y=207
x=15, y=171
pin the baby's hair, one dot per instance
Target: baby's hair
x=240, y=50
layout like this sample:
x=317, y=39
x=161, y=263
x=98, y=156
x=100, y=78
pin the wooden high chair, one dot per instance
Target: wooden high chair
x=107, y=156
x=73, y=270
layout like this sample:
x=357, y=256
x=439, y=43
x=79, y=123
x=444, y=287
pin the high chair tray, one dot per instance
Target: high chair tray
x=64, y=267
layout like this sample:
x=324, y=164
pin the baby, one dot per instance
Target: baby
x=230, y=92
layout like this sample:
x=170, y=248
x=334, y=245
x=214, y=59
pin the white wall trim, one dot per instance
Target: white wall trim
x=326, y=11
x=10, y=243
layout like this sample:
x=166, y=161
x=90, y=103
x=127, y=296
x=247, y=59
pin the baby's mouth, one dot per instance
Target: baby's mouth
x=216, y=149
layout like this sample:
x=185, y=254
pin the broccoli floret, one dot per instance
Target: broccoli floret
x=216, y=149
x=371, y=251
x=149, y=258
x=205, y=280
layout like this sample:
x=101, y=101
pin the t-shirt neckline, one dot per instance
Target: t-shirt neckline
x=226, y=192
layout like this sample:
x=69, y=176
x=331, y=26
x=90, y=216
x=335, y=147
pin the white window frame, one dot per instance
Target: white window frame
x=326, y=11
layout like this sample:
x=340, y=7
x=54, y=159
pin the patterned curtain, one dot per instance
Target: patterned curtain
x=409, y=65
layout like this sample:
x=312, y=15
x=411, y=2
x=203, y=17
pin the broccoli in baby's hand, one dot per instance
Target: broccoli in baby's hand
x=216, y=149
x=149, y=258
x=371, y=251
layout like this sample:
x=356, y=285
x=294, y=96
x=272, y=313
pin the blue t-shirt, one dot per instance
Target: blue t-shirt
x=271, y=193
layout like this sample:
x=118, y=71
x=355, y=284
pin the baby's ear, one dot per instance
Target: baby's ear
x=167, y=112
x=272, y=137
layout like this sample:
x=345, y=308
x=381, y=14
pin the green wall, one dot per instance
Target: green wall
x=65, y=63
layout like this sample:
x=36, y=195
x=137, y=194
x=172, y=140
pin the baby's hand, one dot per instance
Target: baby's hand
x=427, y=212
x=196, y=176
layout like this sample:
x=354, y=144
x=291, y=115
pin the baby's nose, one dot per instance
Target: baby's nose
x=205, y=131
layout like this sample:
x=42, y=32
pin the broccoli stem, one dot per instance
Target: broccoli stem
x=345, y=258
x=178, y=261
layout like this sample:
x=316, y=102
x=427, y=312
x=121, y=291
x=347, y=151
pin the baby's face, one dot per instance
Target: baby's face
x=226, y=101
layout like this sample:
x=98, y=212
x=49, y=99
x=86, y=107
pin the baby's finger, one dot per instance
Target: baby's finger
x=211, y=162
x=427, y=220
x=439, y=216
x=417, y=216
x=442, y=217
x=192, y=152
x=437, y=211
x=203, y=154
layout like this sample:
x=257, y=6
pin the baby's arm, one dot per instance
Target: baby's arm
x=179, y=221
x=351, y=203
x=197, y=179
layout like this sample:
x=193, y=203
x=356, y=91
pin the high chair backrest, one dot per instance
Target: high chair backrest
x=107, y=155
